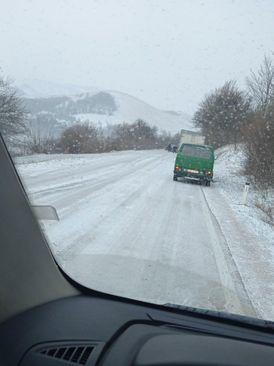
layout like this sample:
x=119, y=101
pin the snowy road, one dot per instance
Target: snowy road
x=126, y=228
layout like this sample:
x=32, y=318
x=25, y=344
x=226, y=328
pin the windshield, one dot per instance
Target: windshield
x=196, y=151
x=96, y=98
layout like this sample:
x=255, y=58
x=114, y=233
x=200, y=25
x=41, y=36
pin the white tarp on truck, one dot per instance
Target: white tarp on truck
x=190, y=137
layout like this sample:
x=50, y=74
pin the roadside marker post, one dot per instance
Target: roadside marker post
x=245, y=193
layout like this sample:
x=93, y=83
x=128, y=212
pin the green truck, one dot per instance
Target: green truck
x=194, y=161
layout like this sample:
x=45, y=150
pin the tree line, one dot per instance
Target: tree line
x=90, y=138
x=229, y=115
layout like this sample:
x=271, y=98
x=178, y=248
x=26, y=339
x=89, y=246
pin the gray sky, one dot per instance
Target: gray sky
x=166, y=52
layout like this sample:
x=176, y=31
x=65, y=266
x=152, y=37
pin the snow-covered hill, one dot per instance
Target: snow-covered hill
x=129, y=109
x=70, y=104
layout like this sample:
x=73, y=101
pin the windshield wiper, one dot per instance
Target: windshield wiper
x=255, y=322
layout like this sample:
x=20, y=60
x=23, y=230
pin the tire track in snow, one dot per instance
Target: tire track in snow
x=56, y=188
x=92, y=196
x=70, y=196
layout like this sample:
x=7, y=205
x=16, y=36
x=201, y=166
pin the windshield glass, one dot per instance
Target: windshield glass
x=196, y=151
x=96, y=98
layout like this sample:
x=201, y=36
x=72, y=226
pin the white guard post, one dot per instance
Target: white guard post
x=245, y=193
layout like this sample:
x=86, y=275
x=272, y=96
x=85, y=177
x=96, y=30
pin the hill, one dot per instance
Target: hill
x=54, y=105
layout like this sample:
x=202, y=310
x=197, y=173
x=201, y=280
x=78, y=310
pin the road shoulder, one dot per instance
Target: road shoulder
x=251, y=254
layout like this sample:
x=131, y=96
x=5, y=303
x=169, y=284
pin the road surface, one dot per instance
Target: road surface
x=127, y=228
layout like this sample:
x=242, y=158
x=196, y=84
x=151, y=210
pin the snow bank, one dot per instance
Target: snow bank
x=230, y=179
x=249, y=239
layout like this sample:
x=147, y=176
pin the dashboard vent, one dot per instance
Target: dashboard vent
x=77, y=354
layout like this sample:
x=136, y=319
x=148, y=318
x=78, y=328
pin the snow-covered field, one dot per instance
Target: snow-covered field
x=126, y=228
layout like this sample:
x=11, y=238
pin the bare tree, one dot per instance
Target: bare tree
x=259, y=132
x=222, y=114
x=80, y=139
x=39, y=143
x=261, y=85
x=259, y=143
x=12, y=114
x=42, y=133
x=137, y=135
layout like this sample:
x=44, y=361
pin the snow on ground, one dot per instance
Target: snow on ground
x=129, y=109
x=231, y=181
x=127, y=228
x=249, y=239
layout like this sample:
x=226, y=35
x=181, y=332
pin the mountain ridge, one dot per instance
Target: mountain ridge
x=104, y=107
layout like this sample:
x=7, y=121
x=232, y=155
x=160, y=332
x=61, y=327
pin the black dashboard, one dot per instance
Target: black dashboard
x=85, y=330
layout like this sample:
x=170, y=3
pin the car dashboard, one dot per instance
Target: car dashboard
x=84, y=330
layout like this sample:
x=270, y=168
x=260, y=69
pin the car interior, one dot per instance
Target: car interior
x=48, y=319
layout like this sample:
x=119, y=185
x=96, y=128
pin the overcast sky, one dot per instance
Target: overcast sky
x=166, y=52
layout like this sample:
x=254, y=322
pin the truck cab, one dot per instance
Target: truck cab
x=194, y=162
